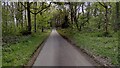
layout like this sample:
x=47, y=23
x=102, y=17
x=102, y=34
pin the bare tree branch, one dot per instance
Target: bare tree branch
x=102, y=4
x=44, y=8
x=37, y=8
x=23, y=5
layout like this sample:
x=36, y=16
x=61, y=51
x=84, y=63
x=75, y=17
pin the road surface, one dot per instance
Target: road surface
x=58, y=52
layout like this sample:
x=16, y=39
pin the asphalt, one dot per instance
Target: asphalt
x=58, y=52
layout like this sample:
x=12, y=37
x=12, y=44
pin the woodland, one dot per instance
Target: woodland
x=94, y=26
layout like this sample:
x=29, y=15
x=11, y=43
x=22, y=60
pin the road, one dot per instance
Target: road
x=58, y=52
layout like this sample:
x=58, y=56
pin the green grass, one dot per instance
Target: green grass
x=106, y=47
x=19, y=54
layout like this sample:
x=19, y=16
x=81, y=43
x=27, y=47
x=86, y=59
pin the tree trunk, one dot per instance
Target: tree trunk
x=83, y=9
x=29, y=17
x=71, y=10
x=34, y=22
x=82, y=23
x=42, y=29
x=116, y=26
x=35, y=4
x=25, y=18
x=106, y=21
x=22, y=21
x=88, y=13
x=75, y=14
x=99, y=25
x=21, y=17
x=95, y=10
x=7, y=18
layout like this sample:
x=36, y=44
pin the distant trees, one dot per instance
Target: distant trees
x=97, y=16
x=19, y=15
x=73, y=11
x=8, y=12
x=36, y=11
x=106, y=18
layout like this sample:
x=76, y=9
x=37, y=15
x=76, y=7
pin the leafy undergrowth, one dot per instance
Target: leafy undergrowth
x=105, y=47
x=18, y=54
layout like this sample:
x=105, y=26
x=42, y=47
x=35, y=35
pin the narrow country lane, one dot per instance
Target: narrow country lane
x=58, y=52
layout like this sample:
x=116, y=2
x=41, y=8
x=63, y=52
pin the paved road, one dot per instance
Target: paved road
x=58, y=52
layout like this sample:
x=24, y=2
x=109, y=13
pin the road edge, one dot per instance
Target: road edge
x=36, y=53
x=85, y=51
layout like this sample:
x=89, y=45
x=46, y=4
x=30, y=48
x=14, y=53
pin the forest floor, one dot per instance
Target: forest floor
x=105, y=48
x=19, y=53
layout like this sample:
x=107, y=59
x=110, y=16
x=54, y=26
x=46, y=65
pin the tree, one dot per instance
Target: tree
x=106, y=18
x=117, y=17
x=28, y=7
x=74, y=13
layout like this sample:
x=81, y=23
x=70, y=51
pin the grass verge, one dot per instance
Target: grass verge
x=103, y=47
x=20, y=53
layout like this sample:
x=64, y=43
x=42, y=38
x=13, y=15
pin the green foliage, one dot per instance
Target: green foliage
x=104, y=47
x=25, y=32
x=42, y=20
x=20, y=53
x=91, y=20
